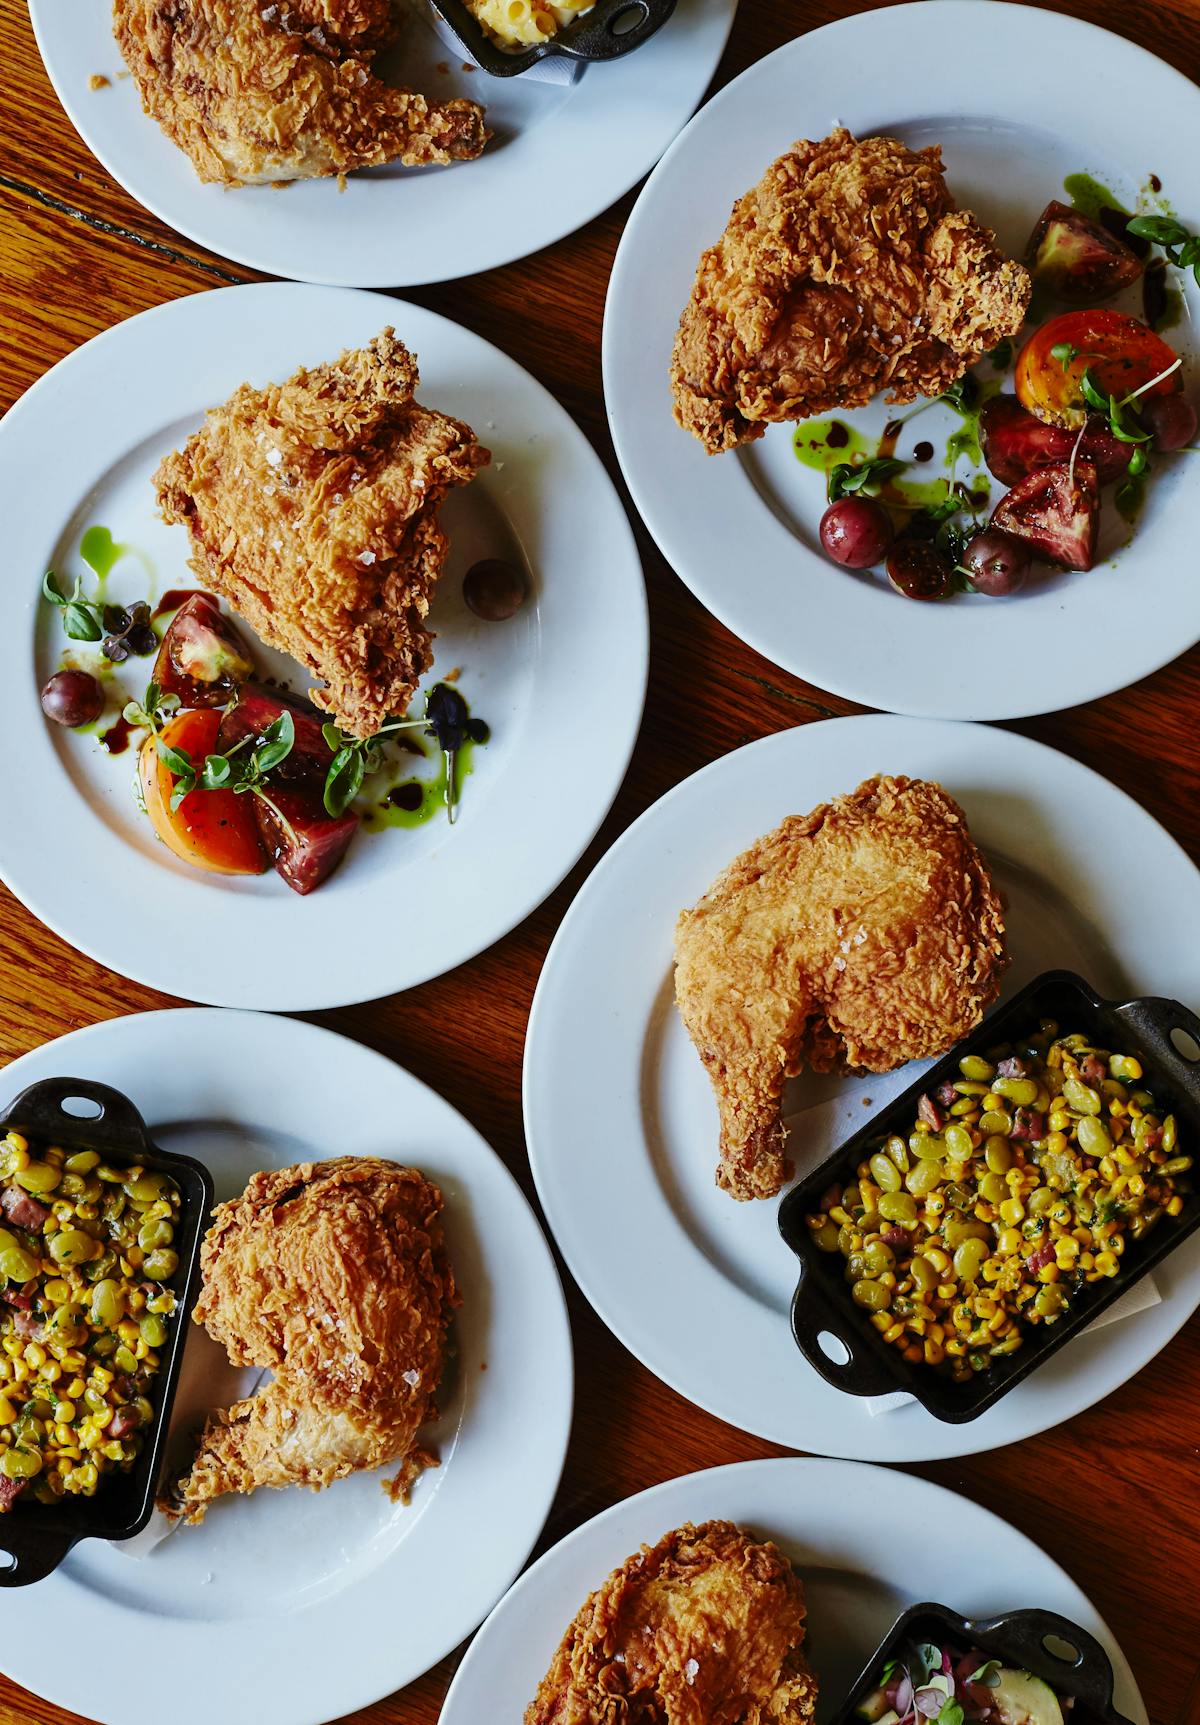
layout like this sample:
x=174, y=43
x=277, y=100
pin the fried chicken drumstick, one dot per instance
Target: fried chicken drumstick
x=259, y=93
x=706, y=1628
x=859, y=936
x=334, y=1276
x=847, y=270
x=312, y=507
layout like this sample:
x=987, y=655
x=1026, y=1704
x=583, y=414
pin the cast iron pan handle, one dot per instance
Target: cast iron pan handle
x=118, y=1121
x=1153, y=1020
x=815, y=1315
x=603, y=41
x=1089, y=1677
x=23, y=1561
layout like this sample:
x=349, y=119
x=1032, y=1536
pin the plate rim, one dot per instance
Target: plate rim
x=557, y=1339
x=982, y=704
x=402, y=271
x=648, y=1348
x=262, y=992
x=755, y=1470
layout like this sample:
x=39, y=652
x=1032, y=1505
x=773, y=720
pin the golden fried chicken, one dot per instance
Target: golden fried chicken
x=845, y=271
x=333, y=1275
x=285, y=91
x=705, y=1629
x=312, y=507
x=859, y=936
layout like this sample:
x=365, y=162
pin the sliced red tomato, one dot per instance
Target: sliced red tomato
x=213, y=830
x=1057, y=513
x=1121, y=354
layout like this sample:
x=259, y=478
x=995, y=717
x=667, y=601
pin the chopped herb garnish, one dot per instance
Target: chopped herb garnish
x=866, y=478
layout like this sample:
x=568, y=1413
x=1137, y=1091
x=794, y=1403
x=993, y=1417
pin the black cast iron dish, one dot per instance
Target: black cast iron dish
x=1073, y=1664
x=35, y=1537
x=822, y=1305
x=611, y=28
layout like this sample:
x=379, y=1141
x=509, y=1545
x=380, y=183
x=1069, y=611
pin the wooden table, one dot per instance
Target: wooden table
x=1113, y=1496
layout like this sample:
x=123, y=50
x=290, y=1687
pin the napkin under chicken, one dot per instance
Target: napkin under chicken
x=312, y=507
x=333, y=1276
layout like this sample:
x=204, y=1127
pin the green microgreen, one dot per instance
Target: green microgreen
x=225, y=772
x=1182, y=248
x=153, y=710
x=987, y=1673
x=80, y=616
x=866, y=478
x=961, y=395
x=353, y=759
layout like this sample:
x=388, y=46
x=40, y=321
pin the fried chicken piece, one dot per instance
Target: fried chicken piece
x=859, y=936
x=703, y=1629
x=256, y=93
x=334, y=1276
x=312, y=508
x=845, y=271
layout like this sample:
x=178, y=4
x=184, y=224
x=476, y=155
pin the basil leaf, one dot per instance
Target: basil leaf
x=183, y=788
x=1161, y=230
x=216, y=771
x=332, y=735
x=1137, y=462
x=278, y=739
x=51, y=589
x=1093, y=396
x=951, y=1713
x=80, y=622
x=1064, y=352
x=177, y=761
x=343, y=781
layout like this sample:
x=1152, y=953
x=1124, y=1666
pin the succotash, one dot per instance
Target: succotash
x=84, y=1258
x=1021, y=1182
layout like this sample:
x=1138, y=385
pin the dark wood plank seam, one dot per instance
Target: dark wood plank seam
x=114, y=230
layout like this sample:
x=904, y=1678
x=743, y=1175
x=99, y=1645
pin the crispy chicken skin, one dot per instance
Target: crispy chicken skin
x=859, y=936
x=257, y=93
x=333, y=1275
x=312, y=508
x=704, y=1629
x=845, y=271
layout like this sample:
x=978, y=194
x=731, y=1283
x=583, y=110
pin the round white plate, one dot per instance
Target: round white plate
x=225, y=1617
x=741, y=528
x=849, y=1532
x=622, y=1125
x=559, y=156
x=561, y=684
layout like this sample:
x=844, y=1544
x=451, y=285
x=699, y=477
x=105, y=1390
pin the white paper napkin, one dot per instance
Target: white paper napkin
x=553, y=69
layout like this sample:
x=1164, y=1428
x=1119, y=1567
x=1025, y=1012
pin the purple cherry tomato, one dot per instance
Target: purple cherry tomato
x=856, y=532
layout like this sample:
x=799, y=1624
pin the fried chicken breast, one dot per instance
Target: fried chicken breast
x=334, y=1276
x=312, y=507
x=859, y=936
x=706, y=1628
x=847, y=270
x=256, y=93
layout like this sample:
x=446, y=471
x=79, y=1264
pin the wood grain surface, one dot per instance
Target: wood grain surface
x=1113, y=1495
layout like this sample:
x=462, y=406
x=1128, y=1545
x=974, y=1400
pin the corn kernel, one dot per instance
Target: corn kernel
x=35, y=1355
x=935, y=1204
x=101, y=1377
x=1059, y=1122
x=882, y=1320
x=1106, y=1263
x=991, y=1270
x=1014, y=1179
x=947, y=1290
x=15, y=1141
x=75, y=1389
x=1009, y=1241
x=1012, y=1210
x=1049, y=1273
x=113, y=1450
x=955, y=1347
x=934, y=1353
x=1174, y=1205
x=8, y=1412
x=893, y=1331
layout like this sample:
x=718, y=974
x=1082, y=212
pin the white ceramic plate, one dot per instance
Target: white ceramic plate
x=561, y=684
x=741, y=528
x=559, y=156
x=622, y=1126
x=229, y=1618
x=849, y=1532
